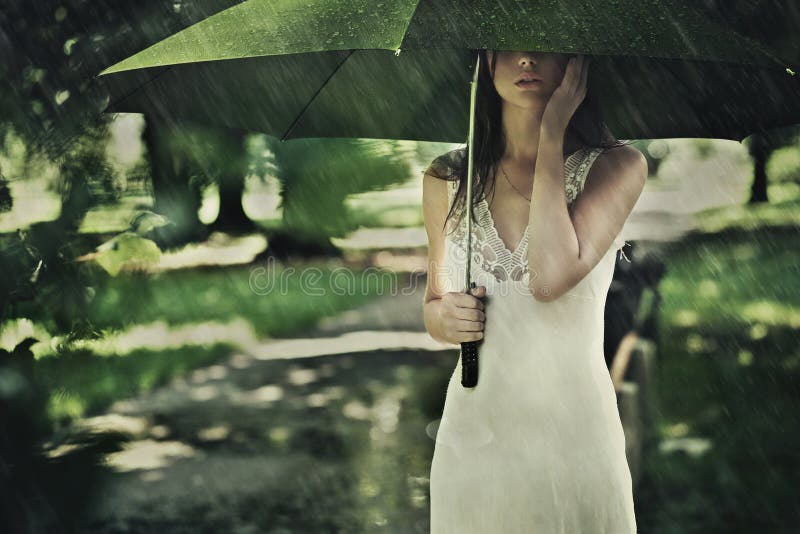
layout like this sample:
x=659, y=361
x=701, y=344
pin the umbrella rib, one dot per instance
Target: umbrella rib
x=311, y=100
x=410, y=20
x=129, y=93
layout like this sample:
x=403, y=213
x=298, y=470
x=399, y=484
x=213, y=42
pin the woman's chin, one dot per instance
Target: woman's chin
x=528, y=100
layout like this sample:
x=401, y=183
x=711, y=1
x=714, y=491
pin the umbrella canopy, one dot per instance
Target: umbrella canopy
x=400, y=69
x=334, y=68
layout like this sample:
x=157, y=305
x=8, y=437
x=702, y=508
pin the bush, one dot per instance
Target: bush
x=784, y=165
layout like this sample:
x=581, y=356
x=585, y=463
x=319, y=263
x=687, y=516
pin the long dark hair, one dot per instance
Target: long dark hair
x=586, y=126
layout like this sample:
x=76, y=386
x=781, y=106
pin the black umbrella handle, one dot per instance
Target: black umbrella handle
x=469, y=360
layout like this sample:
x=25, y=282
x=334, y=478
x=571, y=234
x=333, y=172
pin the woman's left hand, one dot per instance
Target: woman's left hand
x=569, y=95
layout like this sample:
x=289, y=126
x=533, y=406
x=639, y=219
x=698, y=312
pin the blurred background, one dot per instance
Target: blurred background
x=208, y=330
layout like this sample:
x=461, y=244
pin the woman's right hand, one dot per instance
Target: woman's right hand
x=462, y=316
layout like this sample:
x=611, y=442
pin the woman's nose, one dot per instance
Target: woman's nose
x=526, y=59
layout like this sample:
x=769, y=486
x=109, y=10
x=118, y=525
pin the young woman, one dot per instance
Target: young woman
x=537, y=446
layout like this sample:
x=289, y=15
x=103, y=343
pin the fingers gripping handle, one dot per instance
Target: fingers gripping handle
x=469, y=360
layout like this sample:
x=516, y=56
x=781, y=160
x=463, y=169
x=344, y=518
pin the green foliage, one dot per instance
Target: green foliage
x=21, y=266
x=127, y=249
x=704, y=147
x=86, y=178
x=782, y=211
x=213, y=153
x=784, y=165
x=261, y=159
x=318, y=174
x=53, y=49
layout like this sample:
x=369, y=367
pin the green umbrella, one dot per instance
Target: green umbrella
x=401, y=69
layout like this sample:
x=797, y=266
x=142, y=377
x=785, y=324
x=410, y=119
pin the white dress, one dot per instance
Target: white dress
x=537, y=446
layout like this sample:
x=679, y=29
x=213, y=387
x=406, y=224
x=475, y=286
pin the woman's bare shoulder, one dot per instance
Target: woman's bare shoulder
x=446, y=166
x=439, y=184
x=622, y=153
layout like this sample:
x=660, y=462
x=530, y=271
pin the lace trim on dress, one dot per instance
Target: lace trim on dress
x=488, y=250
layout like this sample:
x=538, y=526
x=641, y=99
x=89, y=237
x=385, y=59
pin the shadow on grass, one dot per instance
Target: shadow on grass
x=82, y=384
x=729, y=380
x=336, y=443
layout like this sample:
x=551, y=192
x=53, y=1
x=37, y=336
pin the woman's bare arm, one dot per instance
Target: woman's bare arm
x=451, y=317
x=434, y=211
x=564, y=247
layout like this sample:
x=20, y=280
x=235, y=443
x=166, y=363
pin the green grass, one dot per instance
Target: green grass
x=388, y=217
x=222, y=294
x=729, y=372
x=80, y=381
x=782, y=210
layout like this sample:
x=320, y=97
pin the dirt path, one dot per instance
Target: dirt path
x=232, y=446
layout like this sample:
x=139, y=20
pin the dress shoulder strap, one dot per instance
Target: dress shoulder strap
x=577, y=169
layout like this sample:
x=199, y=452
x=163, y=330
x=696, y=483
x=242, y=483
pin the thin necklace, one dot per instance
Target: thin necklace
x=512, y=185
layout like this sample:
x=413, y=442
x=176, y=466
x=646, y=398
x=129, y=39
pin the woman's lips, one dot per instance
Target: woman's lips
x=528, y=83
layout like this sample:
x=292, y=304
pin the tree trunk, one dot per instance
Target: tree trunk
x=75, y=203
x=759, y=151
x=285, y=245
x=232, y=217
x=175, y=196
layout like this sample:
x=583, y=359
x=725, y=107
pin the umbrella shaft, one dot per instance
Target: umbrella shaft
x=470, y=153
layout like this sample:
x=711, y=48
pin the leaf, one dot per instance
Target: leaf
x=145, y=221
x=127, y=249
